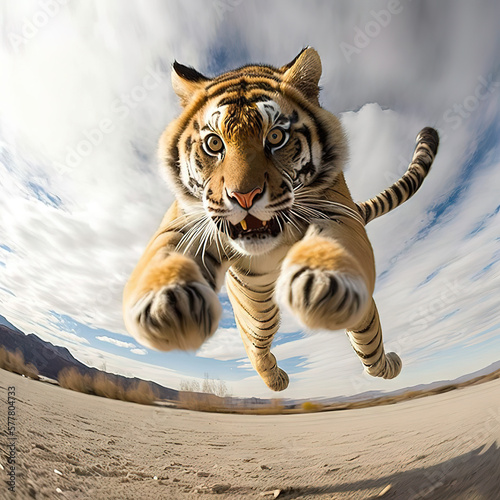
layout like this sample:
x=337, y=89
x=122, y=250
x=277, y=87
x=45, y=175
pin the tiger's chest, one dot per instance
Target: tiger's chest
x=264, y=268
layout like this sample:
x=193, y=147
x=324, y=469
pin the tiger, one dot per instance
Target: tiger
x=261, y=204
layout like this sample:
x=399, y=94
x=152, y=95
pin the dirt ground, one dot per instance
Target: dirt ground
x=76, y=446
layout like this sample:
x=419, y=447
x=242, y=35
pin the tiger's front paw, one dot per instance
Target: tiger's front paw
x=322, y=298
x=181, y=314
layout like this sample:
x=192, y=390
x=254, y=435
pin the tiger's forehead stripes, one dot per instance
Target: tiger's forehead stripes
x=254, y=87
x=252, y=73
x=241, y=120
x=253, y=117
x=243, y=85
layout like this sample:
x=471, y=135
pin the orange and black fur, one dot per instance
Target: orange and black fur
x=262, y=204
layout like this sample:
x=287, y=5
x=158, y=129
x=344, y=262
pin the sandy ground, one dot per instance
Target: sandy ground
x=440, y=447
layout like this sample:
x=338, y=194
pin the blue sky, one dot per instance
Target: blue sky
x=86, y=94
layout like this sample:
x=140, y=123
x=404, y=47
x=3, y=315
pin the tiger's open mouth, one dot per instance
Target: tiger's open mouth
x=251, y=227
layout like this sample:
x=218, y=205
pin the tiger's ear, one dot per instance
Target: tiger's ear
x=186, y=81
x=304, y=73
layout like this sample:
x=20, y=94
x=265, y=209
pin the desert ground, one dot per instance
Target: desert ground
x=76, y=446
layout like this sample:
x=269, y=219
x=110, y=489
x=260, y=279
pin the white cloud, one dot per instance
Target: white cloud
x=226, y=344
x=118, y=343
x=142, y=352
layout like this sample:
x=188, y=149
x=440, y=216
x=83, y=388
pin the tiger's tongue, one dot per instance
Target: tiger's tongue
x=252, y=222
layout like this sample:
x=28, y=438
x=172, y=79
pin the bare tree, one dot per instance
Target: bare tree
x=190, y=386
x=215, y=386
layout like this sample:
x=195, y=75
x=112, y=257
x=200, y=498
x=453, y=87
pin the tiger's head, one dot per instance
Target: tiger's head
x=251, y=151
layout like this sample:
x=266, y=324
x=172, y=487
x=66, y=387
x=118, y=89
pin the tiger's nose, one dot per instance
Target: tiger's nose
x=245, y=199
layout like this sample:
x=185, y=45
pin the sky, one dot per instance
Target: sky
x=85, y=94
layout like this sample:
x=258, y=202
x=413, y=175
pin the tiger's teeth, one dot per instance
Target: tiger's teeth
x=243, y=225
x=264, y=222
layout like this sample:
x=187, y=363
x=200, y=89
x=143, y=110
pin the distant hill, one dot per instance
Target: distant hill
x=50, y=359
x=8, y=324
x=365, y=396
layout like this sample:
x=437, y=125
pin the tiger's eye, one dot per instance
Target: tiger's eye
x=214, y=144
x=275, y=136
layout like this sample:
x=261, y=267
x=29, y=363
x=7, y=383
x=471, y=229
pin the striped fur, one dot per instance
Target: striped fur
x=366, y=340
x=261, y=202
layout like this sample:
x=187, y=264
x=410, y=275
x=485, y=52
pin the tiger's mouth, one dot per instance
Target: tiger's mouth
x=251, y=227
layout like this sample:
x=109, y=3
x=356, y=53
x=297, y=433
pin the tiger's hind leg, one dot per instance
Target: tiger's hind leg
x=327, y=281
x=257, y=317
x=366, y=340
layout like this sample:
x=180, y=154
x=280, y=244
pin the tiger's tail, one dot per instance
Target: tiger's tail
x=423, y=156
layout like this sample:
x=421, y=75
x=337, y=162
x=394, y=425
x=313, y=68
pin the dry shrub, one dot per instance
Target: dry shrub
x=31, y=371
x=14, y=362
x=107, y=387
x=71, y=378
x=275, y=408
x=309, y=406
x=199, y=401
x=4, y=357
x=188, y=400
x=140, y=392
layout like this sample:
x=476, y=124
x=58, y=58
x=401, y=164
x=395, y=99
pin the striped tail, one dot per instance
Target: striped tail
x=425, y=151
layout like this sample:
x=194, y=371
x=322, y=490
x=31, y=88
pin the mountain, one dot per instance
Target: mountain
x=8, y=324
x=365, y=396
x=484, y=371
x=50, y=359
x=58, y=350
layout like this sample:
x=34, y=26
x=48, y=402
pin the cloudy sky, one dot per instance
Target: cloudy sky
x=85, y=94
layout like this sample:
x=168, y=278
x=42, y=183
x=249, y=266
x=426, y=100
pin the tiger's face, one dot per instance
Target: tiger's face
x=251, y=151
